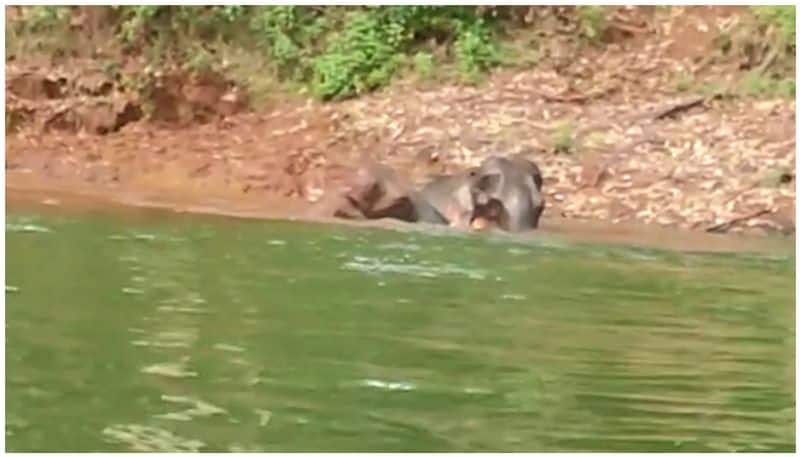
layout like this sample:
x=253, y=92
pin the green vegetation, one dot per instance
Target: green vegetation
x=475, y=51
x=756, y=84
x=333, y=52
x=762, y=44
x=592, y=23
x=336, y=52
x=684, y=81
x=712, y=89
x=39, y=29
x=424, y=65
x=563, y=137
x=780, y=17
x=752, y=84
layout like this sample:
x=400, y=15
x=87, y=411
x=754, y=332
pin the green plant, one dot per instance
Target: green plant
x=40, y=18
x=39, y=29
x=230, y=14
x=110, y=68
x=289, y=33
x=199, y=60
x=756, y=84
x=423, y=64
x=684, y=82
x=563, y=137
x=592, y=23
x=333, y=52
x=475, y=51
x=360, y=58
x=782, y=17
x=135, y=20
x=712, y=89
x=786, y=87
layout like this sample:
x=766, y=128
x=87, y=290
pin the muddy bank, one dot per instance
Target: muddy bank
x=26, y=194
x=709, y=166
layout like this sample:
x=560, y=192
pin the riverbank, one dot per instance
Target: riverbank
x=716, y=167
x=618, y=140
x=29, y=195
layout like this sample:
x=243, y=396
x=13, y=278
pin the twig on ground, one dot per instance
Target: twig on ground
x=625, y=27
x=725, y=226
x=674, y=108
x=576, y=98
x=768, y=60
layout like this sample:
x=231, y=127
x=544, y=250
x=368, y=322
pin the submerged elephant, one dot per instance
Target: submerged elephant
x=453, y=196
x=378, y=192
x=509, y=189
x=502, y=192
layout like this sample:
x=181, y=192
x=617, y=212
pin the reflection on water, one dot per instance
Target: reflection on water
x=184, y=333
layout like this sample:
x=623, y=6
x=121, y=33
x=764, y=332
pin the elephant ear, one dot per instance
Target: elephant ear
x=489, y=183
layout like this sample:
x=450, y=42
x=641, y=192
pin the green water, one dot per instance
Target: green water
x=167, y=332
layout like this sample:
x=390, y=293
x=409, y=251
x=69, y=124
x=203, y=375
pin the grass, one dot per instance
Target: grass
x=684, y=82
x=780, y=17
x=755, y=84
x=424, y=66
x=592, y=23
x=752, y=84
x=563, y=137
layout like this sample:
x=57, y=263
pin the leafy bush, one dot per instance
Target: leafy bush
x=333, y=51
x=362, y=57
x=782, y=17
x=423, y=64
x=289, y=34
x=475, y=50
x=135, y=20
x=39, y=29
x=373, y=42
x=42, y=18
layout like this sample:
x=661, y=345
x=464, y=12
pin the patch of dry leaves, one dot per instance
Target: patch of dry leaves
x=640, y=152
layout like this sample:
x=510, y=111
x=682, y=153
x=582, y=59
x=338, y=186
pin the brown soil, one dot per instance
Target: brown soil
x=639, y=152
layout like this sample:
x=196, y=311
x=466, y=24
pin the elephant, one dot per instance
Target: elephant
x=502, y=191
x=515, y=184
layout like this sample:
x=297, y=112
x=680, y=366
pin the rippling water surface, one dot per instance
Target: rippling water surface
x=186, y=333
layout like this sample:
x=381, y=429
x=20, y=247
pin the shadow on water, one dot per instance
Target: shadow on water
x=187, y=333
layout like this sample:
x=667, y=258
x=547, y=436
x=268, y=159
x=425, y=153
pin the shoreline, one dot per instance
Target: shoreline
x=44, y=197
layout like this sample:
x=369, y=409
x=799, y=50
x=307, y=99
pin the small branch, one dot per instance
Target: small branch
x=768, y=60
x=671, y=109
x=725, y=226
x=625, y=27
x=577, y=98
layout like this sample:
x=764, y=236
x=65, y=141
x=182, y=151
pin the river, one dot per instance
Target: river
x=157, y=331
